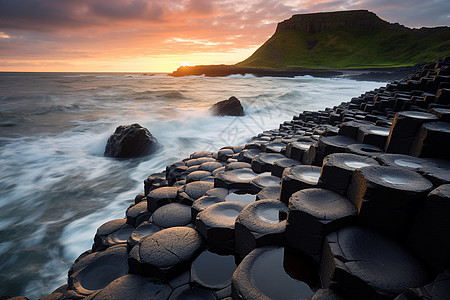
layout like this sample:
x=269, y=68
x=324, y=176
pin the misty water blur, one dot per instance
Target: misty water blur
x=56, y=187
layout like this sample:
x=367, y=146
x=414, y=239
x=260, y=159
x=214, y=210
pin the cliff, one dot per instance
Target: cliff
x=317, y=22
x=348, y=39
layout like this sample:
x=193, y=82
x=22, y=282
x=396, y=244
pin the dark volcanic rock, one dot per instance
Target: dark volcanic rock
x=130, y=141
x=165, y=253
x=230, y=107
x=357, y=261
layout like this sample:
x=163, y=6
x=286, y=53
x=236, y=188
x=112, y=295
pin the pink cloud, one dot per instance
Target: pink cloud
x=113, y=29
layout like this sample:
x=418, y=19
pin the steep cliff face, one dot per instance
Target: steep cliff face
x=317, y=22
x=348, y=39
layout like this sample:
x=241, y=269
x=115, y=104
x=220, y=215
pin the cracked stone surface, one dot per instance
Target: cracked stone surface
x=165, y=252
x=358, y=261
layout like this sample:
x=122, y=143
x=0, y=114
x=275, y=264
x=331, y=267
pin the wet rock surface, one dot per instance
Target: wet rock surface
x=130, y=141
x=230, y=107
x=357, y=261
x=373, y=224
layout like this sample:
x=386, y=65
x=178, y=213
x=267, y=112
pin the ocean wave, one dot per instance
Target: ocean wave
x=166, y=94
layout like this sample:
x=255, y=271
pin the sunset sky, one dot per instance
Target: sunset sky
x=160, y=35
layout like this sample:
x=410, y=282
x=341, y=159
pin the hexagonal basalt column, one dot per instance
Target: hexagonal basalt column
x=429, y=236
x=334, y=144
x=276, y=147
x=438, y=289
x=216, y=223
x=210, y=166
x=144, y=230
x=202, y=203
x=112, y=233
x=193, y=190
x=298, y=178
x=387, y=197
x=95, y=271
x=404, y=128
x=138, y=213
x=261, y=223
x=197, y=175
x=296, y=149
x=247, y=155
x=263, y=162
x=263, y=181
x=161, y=196
x=280, y=165
x=274, y=273
x=166, y=253
x=270, y=192
x=401, y=160
x=133, y=286
x=337, y=170
x=235, y=179
x=172, y=215
x=357, y=261
x=432, y=140
x=373, y=135
x=314, y=213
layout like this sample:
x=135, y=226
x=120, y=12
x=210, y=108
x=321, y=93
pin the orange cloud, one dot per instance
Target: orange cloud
x=158, y=35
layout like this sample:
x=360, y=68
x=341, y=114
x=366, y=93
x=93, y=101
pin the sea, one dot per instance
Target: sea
x=57, y=188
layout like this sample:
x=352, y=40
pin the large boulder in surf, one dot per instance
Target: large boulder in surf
x=130, y=141
x=230, y=107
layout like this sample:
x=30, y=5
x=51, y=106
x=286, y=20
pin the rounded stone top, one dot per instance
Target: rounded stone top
x=373, y=129
x=269, y=157
x=401, y=160
x=321, y=203
x=305, y=173
x=230, y=179
x=264, y=216
x=396, y=178
x=417, y=115
x=166, y=192
x=222, y=214
x=363, y=149
x=111, y=264
x=170, y=246
x=172, y=214
x=377, y=260
x=303, y=144
x=132, y=286
x=206, y=201
x=349, y=161
x=197, y=189
x=110, y=226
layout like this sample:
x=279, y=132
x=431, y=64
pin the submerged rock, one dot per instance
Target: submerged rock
x=130, y=141
x=230, y=107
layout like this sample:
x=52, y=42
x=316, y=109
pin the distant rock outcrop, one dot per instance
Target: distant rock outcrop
x=130, y=141
x=230, y=107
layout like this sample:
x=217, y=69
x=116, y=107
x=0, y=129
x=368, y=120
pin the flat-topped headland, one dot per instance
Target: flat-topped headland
x=348, y=202
x=340, y=43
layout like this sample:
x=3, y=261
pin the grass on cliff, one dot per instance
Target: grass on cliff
x=346, y=49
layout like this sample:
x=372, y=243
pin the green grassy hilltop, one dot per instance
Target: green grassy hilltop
x=350, y=39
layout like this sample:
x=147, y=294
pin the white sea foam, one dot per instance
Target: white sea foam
x=56, y=187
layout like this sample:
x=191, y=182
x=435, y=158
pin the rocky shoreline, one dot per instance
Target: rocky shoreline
x=369, y=74
x=349, y=202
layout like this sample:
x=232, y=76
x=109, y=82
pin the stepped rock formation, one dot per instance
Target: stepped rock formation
x=345, y=213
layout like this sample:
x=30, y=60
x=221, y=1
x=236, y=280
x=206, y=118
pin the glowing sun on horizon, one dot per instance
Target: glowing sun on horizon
x=185, y=64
